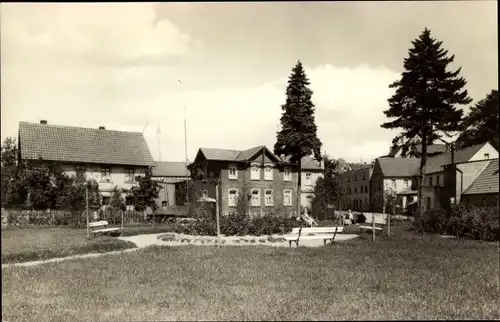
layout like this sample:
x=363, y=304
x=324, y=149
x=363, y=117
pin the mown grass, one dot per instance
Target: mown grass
x=30, y=244
x=405, y=277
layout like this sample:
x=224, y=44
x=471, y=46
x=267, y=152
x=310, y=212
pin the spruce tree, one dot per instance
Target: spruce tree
x=426, y=99
x=481, y=123
x=297, y=137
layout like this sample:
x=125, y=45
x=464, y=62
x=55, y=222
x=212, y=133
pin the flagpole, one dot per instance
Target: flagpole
x=159, y=141
x=185, y=153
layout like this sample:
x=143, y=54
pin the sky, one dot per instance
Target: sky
x=224, y=66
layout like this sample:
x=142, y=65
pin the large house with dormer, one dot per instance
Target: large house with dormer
x=112, y=158
x=263, y=179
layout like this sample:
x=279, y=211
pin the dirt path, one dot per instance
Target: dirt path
x=60, y=259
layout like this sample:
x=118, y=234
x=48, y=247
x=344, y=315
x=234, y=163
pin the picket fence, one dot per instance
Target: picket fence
x=69, y=218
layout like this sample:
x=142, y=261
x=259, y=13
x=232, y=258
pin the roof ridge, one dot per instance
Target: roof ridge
x=78, y=127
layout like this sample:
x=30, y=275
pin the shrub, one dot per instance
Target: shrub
x=480, y=223
x=236, y=224
x=360, y=218
x=432, y=221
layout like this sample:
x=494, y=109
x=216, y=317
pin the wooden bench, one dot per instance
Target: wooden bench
x=303, y=233
x=101, y=227
x=378, y=225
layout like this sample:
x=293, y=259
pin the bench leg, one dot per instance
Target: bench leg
x=289, y=244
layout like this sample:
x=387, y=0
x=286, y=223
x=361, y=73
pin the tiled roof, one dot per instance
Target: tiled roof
x=245, y=155
x=487, y=181
x=219, y=154
x=307, y=163
x=85, y=145
x=399, y=167
x=170, y=169
x=436, y=163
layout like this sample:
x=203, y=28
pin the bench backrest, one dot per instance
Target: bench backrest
x=317, y=230
x=98, y=224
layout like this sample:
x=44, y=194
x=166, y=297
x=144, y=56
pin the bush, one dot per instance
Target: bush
x=236, y=224
x=360, y=218
x=480, y=223
x=432, y=221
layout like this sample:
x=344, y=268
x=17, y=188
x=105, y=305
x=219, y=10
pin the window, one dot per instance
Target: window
x=430, y=181
x=355, y=177
x=105, y=173
x=269, y=197
x=129, y=175
x=393, y=182
x=164, y=203
x=287, y=174
x=233, y=172
x=268, y=172
x=366, y=189
x=105, y=200
x=308, y=178
x=406, y=183
x=428, y=203
x=255, y=172
x=486, y=155
x=204, y=193
x=80, y=169
x=233, y=197
x=364, y=175
x=255, y=201
x=287, y=197
x=355, y=190
x=437, y=180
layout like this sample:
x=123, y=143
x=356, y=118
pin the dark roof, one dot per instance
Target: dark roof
x=431, y=149
x=83, y=145
x=169, y=169
x=399, y=167
x=487, y=181
x=307, y=163
x=436, y=163
x=233, y=155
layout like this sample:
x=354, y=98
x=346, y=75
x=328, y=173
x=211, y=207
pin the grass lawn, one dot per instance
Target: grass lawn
x=27, y=244
x=407, y=277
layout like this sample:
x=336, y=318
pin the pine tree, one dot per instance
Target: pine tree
x=297, y=137
x=424, y=104
x=481, y=124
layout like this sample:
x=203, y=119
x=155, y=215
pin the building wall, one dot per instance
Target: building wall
x=307, y=187
x=485, y=149
x=117, y=176
x=355, y=186
x=244, y=184
x=482, y=200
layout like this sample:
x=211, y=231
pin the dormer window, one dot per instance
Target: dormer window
x=268, y=172
x=255, y=171
x=487, y=156
x=233, y=172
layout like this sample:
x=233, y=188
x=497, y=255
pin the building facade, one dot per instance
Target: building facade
x=170, y=174
x=255, y=179
x=112, y=158
x=355, y=188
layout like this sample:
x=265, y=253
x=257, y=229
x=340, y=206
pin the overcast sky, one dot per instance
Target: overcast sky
x=118, y=65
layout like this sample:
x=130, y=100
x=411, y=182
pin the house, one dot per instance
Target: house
x=393, y=175
x=439, y=185
x=311, y=171
x=169, y=174
x=483, y=191
x=354, y=186
x=112, y=158
x=257, y=176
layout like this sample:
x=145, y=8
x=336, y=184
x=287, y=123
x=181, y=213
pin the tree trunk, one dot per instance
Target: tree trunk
x=299, y=184
x=423, y=162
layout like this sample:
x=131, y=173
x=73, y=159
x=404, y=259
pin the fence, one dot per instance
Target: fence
x=77, y=219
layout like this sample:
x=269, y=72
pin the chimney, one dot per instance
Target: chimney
x=43, y=122
x=102, y=128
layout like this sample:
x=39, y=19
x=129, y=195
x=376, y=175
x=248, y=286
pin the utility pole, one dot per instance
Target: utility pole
x=87, y=208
